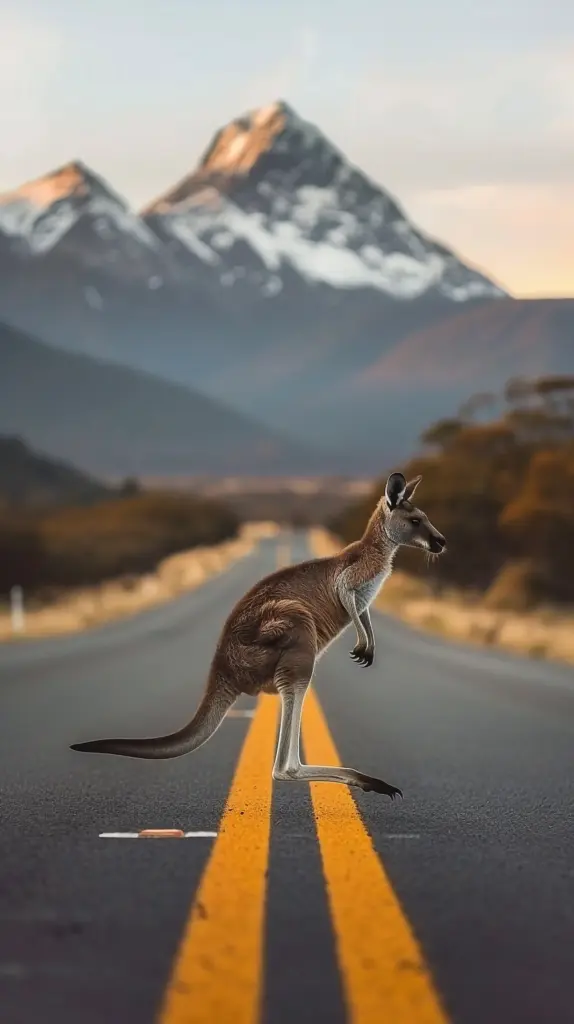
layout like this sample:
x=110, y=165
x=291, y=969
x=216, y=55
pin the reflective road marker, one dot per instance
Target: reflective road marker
x=156, y=833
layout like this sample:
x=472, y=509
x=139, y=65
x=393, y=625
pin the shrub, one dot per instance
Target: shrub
x=519, y=586
x=502, y=492
x=22, y=557
x=83, y=545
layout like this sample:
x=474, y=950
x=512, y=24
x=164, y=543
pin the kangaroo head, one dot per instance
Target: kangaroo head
x=404, y=523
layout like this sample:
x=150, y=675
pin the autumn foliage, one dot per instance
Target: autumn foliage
x=73, y=546
x=498, y=481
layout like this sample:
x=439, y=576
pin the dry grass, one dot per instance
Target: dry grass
x=86, y=607
x=544, y=632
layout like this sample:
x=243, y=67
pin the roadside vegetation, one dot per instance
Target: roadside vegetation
x=53, y=548
x=498, y=481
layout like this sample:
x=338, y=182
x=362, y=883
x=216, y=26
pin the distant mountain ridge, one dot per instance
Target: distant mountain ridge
x=276, y=278
x=270, y=183
x=41, y=213
x=30, y=478
x=114, y=421
x=273, y=190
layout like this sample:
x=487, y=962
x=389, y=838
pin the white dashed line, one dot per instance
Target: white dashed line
x=402, y=835
x=136, y=835
x=119, y=835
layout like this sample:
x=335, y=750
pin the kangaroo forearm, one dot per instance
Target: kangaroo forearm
x=368, y=627
x=347, y=598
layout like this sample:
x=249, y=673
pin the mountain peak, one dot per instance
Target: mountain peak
x=73, y=179
x=274, y=132
x=272, y=194
x=237, y=147
x=42, y=212
x=272, y=202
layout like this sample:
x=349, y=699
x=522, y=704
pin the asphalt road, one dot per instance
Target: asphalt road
x=479, y=854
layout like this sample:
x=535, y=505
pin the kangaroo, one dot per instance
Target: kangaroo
x=276, y=632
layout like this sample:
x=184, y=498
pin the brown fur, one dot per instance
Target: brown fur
x=282, y=625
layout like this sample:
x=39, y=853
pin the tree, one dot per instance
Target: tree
x=501, y=491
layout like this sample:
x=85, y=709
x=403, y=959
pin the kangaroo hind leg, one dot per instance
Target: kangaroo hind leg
x=292, y=678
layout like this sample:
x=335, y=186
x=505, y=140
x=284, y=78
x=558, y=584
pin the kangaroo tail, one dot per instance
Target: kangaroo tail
x=207, y=719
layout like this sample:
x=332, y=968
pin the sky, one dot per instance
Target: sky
x=464, y=111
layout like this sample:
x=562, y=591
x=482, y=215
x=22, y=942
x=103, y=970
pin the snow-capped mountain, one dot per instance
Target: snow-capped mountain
x=274, y=248
x=278, y=278
x=73, y=211
x=273, y=210
x=272, y=195
x=81, y=269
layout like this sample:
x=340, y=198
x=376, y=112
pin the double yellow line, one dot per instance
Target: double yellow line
x=218, y=974
x=219, y=971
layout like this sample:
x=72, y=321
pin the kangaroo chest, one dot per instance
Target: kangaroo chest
x=367, y=592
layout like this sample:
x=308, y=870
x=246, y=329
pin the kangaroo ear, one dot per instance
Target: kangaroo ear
x=394, y=489
x=411, y=487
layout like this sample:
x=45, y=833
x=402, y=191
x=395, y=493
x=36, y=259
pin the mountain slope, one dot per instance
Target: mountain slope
x=273, y=198
x=28, y=477
x=273, y=248
x=74, y=209
x=114, y=420
x=81, y=270
x=492, y=342
x=430, y=373
x=276, y=278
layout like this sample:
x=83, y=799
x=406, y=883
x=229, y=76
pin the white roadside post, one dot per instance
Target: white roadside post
x=17, y=610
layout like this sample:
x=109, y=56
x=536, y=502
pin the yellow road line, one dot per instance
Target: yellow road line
x=218, y=974
x=384, y=974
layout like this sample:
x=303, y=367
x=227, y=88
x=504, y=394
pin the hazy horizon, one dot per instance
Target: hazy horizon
x=466, y=117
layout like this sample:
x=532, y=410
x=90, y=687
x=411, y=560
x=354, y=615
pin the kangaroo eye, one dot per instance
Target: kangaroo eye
x=416, y=522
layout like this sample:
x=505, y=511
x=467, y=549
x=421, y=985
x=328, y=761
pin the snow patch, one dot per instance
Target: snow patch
x=279, y=242
x=20, y=218
x=311, y=203
x=107, y=210
x=337, y=236
x=184, y=232
x=404, y=230
x=396, y=273
x=222, y=240
x=250, y=227
x=470, y=290
x=281, y=206
x=43, y=227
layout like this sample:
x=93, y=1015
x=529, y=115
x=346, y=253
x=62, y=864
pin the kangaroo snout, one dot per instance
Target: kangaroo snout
x=437, y=544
